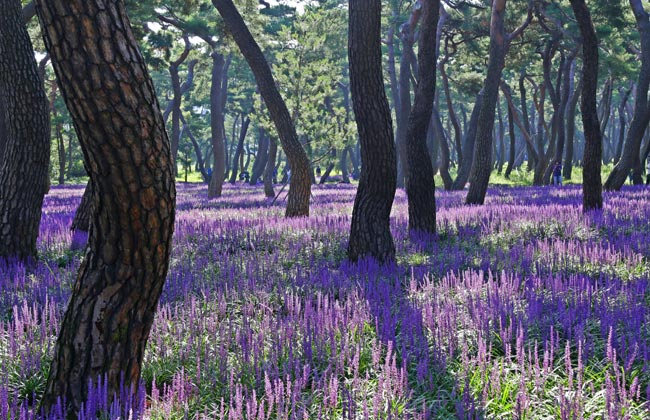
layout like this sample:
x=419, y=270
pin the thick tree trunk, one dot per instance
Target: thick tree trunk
x=3, y=130
x=217, y=126
x=106, y=325
x=300, y=186
x=370, y=230
x=468, y=146
x=269, y=170
x=638, y=125
x=592, y=189
x=240, y=149
x=24, y=177
x=420, y=186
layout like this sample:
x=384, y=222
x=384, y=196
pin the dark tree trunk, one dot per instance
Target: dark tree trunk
x=343, y=164
x=3, y=131
x=468, y=146
x=482, y=161
x=452, y=114
x=445, y=155
x=420, y=186
x=638, y=125
x=592, y=189
x=621, y=122
x=24, y=177
x=269, y=170
x=326, y=174
x=262, y=156
x=501, y=134
x=300, y=186
x=370, y=230
x=58, y=130
x=567, y=168
x=106, y=325
x=513, y=143
x=219, y=69
x=531, y=162
x=81, y=220
x=240, y=149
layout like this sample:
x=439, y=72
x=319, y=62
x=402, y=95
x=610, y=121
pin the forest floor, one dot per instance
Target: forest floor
x=522, y=308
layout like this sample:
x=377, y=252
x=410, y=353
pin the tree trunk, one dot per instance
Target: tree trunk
x=176, y=101
x=3, y=131
x=217, y=126
x=106, y=325
x=468, y=146
x=420, y=186
x=482, y=165
x=513, y=140
x=58, y=129
x=240, y=148
x=370, y=230
x=632, y=148
x=269, y=170
x=530, y=162
x=567, y=168
x=24, y=177
x=300, y=186
x=592, y=190
x=262, y=156
x=343, y=165
x=621, y=122
x=197, y=149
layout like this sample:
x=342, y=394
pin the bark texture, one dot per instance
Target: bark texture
x=592, y=189
x=420, y=186
x=109, y=93
x=370, y=230
x=24, y=177
x=300, y=184
x=217, y=125
x=641, y=116
x=81, y=220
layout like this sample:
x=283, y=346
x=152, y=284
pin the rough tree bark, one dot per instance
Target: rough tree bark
x=81, y=220
x=3, y=130
x=300, y=185
x=641, y=117
x=370, y=230
x=499, y=43
x=24, y=177
x=420, y=186
x=111, y=98
x=219, y=69
x=592, y=189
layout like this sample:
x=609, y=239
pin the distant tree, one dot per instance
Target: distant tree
x=113, y=104
x=300, y=183
x=24, y=136
x=592, y=189
x=420, y=187
x=630, y=157
x=499, y=43
x=370, y=231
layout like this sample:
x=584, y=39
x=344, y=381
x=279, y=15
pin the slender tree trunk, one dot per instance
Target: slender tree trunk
x=567, y=168
x=197, y=149
x=262, y=156
x=24, y=177
x=217, y=126
x=513, y=142
x=592, y=190
x=420, y=186
x=106, y=325
x=468, y=146
x=300, y=186
x=240, y=148
x=370, y=230
x=343, y=165
x=269, y=170
x=531, y=163
x=58, y=129
x=638, y=125
x=176, y=101
x=625, y=94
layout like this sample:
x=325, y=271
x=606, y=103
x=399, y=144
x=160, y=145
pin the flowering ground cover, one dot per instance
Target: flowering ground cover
x=522, y=308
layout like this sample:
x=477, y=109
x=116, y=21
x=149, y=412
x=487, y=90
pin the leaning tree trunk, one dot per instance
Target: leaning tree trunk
x=270, y=168
x=240, y=149
x=420, y=186
x=641, y=117
x=300, y=185
x=468, y=146
x=592, y=189
x=370, y=230
x=106, y=325
x=217, y=126
x=24, y=168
